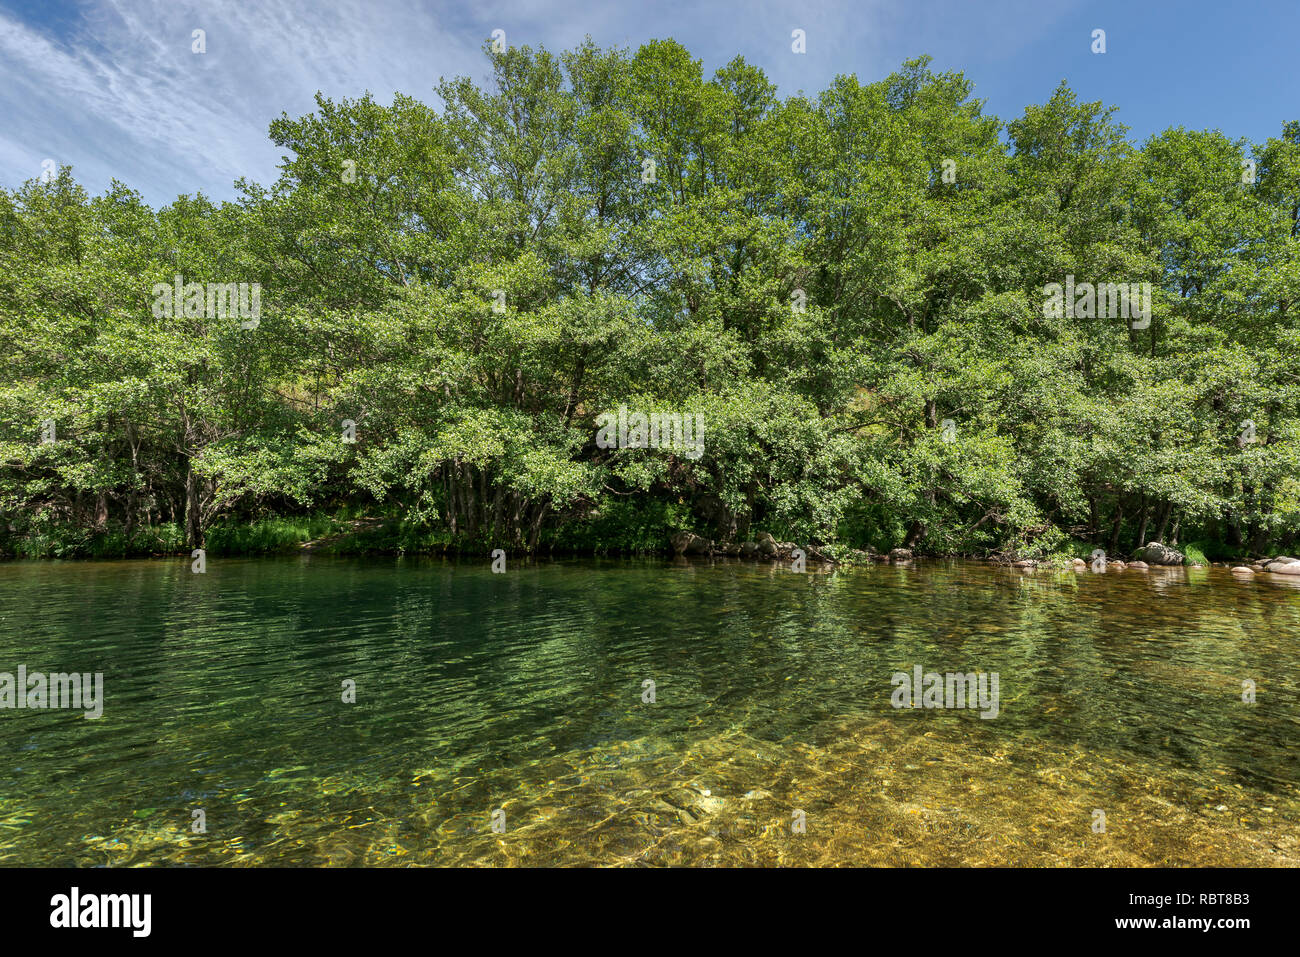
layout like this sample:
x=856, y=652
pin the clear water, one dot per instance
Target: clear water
x=1120, y=692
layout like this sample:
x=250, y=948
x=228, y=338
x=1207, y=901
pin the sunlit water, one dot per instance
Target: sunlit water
x=525, y=692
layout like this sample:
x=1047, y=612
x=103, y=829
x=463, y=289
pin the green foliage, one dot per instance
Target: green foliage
x=48, y=538
x=826, y=280
x=625, y=527
x=269, y=535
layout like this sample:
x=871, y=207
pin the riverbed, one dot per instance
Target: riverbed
x=327, y=711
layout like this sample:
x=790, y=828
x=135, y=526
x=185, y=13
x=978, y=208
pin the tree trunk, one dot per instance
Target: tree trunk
x=193, y=508
x=1259, y=540
x=536, y=530
x=1164, y=522
x=1113, y=548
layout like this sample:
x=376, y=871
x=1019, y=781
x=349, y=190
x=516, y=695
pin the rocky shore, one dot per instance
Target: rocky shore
x=765, y=547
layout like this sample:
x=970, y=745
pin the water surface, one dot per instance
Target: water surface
x=1120, y=692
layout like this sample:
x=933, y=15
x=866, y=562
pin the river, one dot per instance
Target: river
x=647, y=712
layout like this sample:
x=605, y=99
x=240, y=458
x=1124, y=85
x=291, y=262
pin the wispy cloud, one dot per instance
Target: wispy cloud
x=116, y=91
x=123, y=95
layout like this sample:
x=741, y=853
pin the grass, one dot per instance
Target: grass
x=270, y=535
x=54, y=540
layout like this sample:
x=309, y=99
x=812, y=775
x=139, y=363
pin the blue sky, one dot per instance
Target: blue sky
x=112, y=88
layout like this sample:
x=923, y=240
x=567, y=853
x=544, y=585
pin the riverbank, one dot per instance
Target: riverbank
x=347, y=534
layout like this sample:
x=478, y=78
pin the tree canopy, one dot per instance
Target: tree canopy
x=847, y=288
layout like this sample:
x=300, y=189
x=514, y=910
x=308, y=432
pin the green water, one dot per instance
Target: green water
x=523, y=691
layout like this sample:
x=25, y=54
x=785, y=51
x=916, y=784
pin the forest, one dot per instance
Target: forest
x=857, y=295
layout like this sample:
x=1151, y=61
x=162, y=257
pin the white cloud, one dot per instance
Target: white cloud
x=125, y=96
x=120, y=94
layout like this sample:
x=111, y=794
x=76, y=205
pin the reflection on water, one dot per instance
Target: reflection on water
x=1120, y=692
